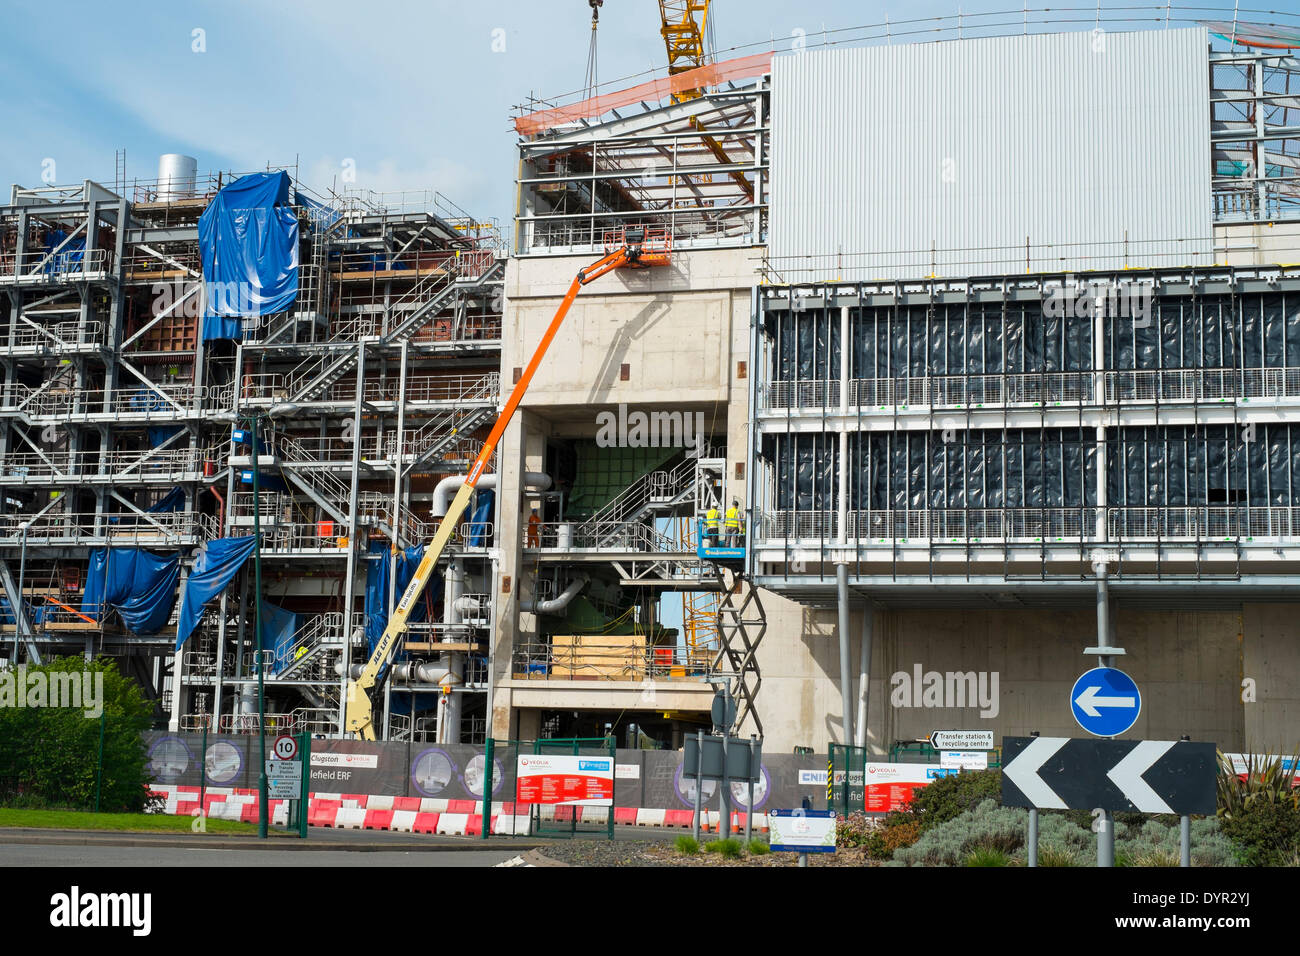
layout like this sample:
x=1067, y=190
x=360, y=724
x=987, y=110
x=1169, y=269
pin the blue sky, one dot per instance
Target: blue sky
x=413, y=93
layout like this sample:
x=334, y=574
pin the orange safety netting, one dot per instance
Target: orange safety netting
x=1263, y=35
x=652, y=92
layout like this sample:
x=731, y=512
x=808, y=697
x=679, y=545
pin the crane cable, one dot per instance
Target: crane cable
x=589, y=85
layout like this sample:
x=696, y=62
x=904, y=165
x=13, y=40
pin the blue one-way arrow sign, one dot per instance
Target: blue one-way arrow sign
x=1105, y=702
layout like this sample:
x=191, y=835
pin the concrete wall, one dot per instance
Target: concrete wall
x=1271, y=660
x=1188, y=665
x=682, y=330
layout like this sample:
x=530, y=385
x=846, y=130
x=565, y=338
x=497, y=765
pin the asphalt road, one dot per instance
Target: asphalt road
x=25, y=854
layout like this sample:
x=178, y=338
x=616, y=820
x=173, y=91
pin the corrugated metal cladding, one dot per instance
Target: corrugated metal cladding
x=973, y=146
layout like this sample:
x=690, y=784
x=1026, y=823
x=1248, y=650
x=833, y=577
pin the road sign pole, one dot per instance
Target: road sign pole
x=1106, y=836
x=1033, y=830
x=1185, y=834
x=749, y=806
x=699, y=781
x=488, y=746
x=1033, y=836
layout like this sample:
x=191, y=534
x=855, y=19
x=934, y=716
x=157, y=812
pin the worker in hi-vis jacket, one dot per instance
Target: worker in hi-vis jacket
x=711, y=527
x=733, y=524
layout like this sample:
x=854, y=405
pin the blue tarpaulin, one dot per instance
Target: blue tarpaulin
x=478, y=527
x=218, y=562
x=174, y=500
x=278, y=629
x=141, y=585
x=248, y=241
x=321, y=215
x=377, y=569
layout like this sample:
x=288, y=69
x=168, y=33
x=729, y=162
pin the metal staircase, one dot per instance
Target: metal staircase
x=320, y=635
x=438, y=434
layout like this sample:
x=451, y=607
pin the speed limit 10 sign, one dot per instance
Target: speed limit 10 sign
x=286, y=748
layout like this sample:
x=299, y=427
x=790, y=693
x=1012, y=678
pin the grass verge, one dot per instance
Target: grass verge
x=118, y=822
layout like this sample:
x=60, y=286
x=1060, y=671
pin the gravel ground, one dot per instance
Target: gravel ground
x=658, y=853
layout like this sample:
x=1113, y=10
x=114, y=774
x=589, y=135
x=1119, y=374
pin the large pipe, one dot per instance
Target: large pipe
x=864, y=674
x=534, y=481
x=414, y=673
x=846, y=681
x=556, y=604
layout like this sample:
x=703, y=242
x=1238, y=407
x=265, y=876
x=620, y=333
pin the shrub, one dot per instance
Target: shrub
x=1266, y=834
x=49, y=756
x=1156, y=858
x=687, y=844
x=987, y=826
x=949, y=797
x=854, y=830
x=1052, y=855
x=729, y=848
x=987, y=856
x=759, y=848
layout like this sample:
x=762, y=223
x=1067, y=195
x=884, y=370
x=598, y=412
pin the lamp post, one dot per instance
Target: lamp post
x=263, y=810
x=262, y=794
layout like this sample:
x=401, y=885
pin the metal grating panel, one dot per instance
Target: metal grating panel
x=1092, y=148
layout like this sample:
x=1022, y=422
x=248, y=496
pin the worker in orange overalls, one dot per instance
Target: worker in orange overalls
x=534, y=530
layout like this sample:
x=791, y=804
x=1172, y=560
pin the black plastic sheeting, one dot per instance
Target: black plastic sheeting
x=1153, y=466
x=1249, y=331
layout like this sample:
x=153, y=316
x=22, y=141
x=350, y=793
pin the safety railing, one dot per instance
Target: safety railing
x=976, y=526
x=425, y=389
x=318, y=631
x=607, y=658
x=612, y=536
x=1038, y=389
x=277, y=723
x=139, y=402
x=63, y=336
x=305, y=537
x=124, y=466
x=59, y=527
x=49, y=266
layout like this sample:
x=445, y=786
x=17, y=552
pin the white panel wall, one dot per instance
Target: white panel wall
x=1071, y=140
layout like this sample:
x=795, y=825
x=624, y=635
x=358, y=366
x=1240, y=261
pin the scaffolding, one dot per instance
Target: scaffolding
x=119, y=427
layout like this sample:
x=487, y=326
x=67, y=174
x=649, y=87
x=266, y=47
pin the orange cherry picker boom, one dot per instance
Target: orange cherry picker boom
x=630, y=247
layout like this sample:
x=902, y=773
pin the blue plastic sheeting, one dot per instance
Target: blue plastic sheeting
x=322, y=216
x=265, y=481
x=278, y=630
x=377, y=570
x=174, y=500
x=70, y=255
x=218, y=562
x=158, y=434
x=248, y=241
x=141, y=585
x=479, y=523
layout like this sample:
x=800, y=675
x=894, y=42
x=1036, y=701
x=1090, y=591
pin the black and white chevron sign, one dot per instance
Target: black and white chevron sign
x=1148, y=776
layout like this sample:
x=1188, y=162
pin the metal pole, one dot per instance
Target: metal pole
x=1106, y=835
x=749, y=805
x=262, y=795
x=1033, y=829
x=803, y=859
x=699, y=782
x=488, y=747
x=846, y=678
x=22, y=602
x=203, y=769
x=1185, y=835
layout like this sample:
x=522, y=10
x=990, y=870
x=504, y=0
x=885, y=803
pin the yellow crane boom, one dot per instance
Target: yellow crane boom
x=359, y=716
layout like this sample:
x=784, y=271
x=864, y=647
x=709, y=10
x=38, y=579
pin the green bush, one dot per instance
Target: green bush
x=986, y=856
x=1265, y=834
x=989, y=830
x=759, y=848
x=729, y=848
x=49, y=755
x=949, y=797
x=687, y=844
x=855, y=829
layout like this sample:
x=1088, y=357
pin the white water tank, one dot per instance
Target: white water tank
x=176, y=177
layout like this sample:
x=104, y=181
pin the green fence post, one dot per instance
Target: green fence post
x=304, y=752
x=99, y=770
x=488, y=748
x=203, y=768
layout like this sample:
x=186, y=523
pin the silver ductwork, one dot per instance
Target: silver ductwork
x=413, y=673
x=534, y=481
x=559, y=603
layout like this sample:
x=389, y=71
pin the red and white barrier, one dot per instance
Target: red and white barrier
x=359, y=811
